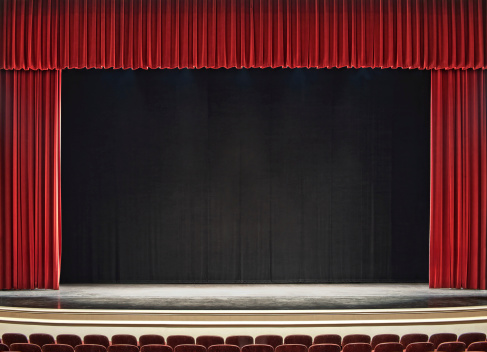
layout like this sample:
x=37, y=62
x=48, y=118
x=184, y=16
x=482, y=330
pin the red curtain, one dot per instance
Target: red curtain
x=30, y=190
x=458, y=179
x=56, y=34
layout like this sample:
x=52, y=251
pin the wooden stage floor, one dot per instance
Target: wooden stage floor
x=244, y=297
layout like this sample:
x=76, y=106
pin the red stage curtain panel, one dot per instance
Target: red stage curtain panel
x=458, y=179
x=56, y=34
x=30, y=190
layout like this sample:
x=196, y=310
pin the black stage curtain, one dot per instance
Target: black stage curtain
x=258, y=175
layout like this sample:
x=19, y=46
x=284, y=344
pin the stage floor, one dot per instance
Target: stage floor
x=244, y=297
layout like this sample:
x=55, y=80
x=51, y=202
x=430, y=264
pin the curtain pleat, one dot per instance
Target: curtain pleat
x=458, y=179
x=425, y=34
x=30, y=190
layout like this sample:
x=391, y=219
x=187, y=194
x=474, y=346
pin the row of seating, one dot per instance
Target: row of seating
x=73, y=340
x=351, y=347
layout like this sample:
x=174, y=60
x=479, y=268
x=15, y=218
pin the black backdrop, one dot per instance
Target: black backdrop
x=262, y=175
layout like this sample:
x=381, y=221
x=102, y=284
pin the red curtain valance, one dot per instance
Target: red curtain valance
x=56, y=34
x=30, y=175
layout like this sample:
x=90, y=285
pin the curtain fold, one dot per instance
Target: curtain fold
x=30, y=190
x=458, y=179
x=425, y=34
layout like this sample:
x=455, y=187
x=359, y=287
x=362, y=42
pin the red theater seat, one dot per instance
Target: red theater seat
x=388, y=347
x=41, y=339
x=124, y=339
x=452, y=347
x=420, y=347
x=155, y=348
x=239, y=340
x=477, y=346
x=57, y=348
x=357, y=347
x=151, y=339
x=122, y=348
x=382, y=338
x=257, y=348
x=190, y=348
x=12, y=337
x=3, y=347
x=209, y=340
x=69, y=339
x=412, y=338
x=25, y=347
x=471, y=337
x=175, y=340
x=328, y=338
x=96, y=339
x=224, y=348
x=272, y=340
x=324, y=347
x=437, y=339
x=355, y=338
x=291, y=348
x=90, y=348
x=299, y=340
